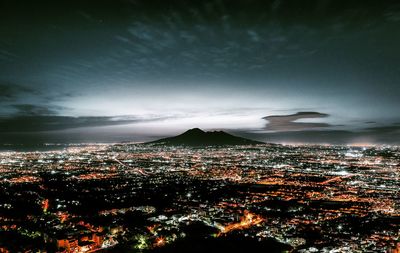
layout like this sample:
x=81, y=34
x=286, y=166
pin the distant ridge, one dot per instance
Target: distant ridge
x=198, y=137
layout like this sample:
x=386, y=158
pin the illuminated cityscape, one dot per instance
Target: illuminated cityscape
x=140, y=198
x=199, y=126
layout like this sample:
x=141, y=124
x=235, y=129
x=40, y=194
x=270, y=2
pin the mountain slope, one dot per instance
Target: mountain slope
x=197, y=137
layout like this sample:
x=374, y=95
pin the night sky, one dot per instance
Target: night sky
x=288, y=71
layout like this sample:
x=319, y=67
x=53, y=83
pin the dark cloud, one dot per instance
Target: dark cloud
x=288, y=122
x=374, y=135
x=36, y=110
x=391, y=129
x=11, y=91
x=43, y=123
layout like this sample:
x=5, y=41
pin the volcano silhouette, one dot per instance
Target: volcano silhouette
x=198, y=137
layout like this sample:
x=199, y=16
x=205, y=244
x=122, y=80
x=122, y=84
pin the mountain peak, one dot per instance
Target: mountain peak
x=198, y=137
x=194, y=131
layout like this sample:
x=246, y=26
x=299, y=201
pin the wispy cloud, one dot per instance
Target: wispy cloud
x=42, y=119
x=290, y=122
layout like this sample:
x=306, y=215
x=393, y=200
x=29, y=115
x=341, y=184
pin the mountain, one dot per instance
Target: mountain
x=197, y=137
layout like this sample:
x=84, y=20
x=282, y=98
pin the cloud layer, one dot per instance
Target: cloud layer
x=284, y=123
x=71, y=67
